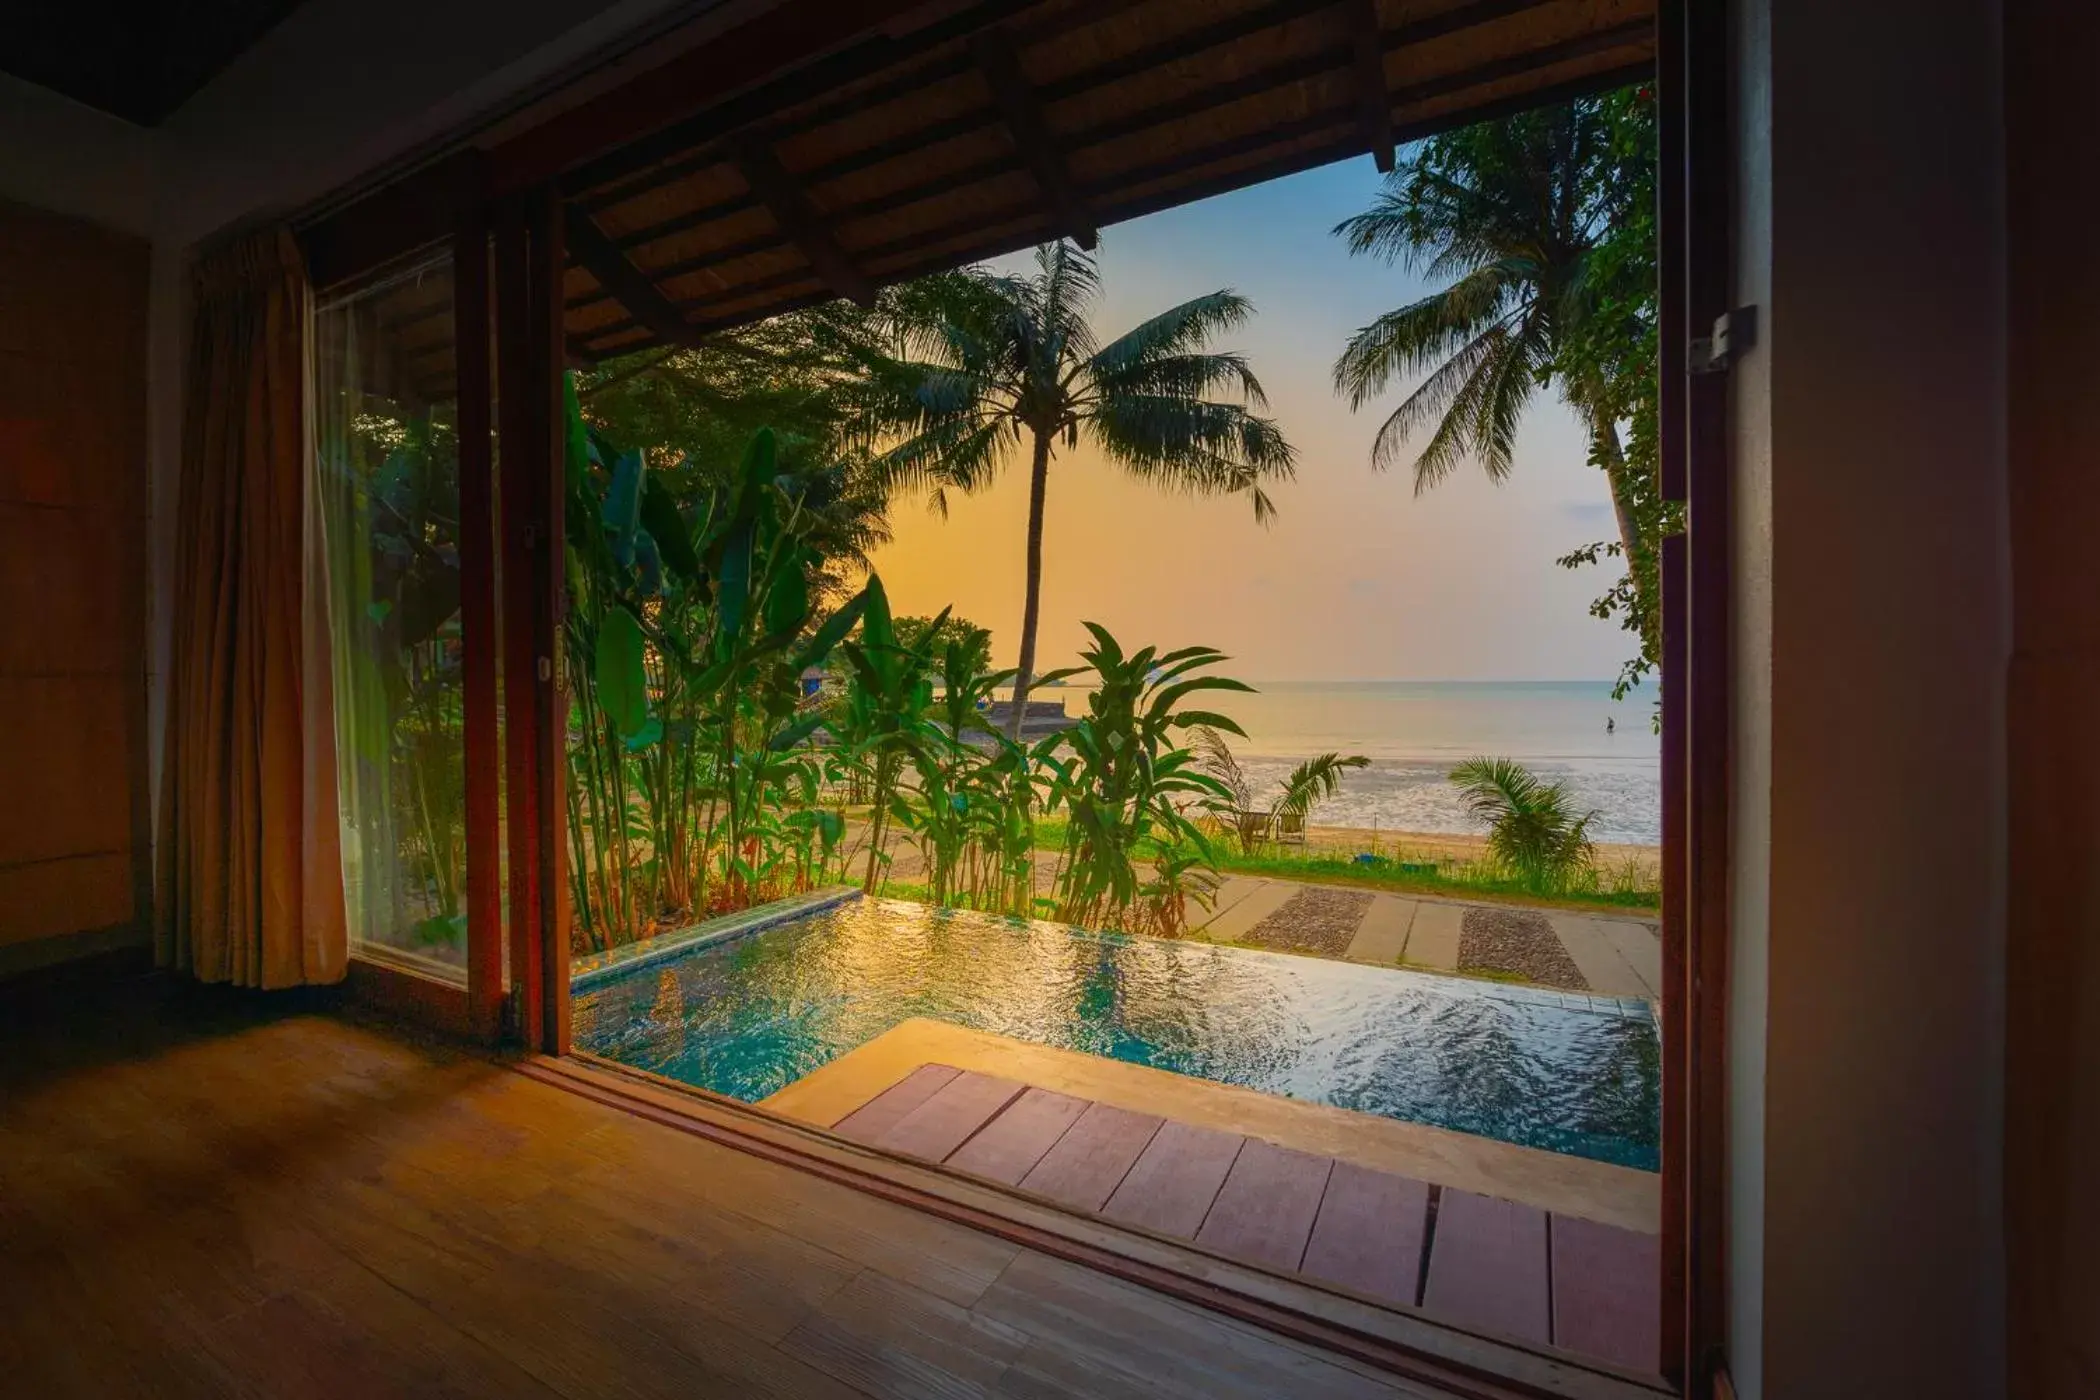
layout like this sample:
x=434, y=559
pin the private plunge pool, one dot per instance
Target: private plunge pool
x=747, y=1016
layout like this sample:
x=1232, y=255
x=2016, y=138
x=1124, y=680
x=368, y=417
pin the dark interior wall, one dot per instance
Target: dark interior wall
x=74, y=499
x=2052, y=1139
x=1872, y=610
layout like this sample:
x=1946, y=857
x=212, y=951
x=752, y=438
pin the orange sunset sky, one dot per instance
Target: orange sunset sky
x=1358, y=578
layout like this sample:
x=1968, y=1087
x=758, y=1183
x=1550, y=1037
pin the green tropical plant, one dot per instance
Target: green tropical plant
x=691, y=620
x=1532, y=830
x=1127, y=789
x=970, y=821
x=1315, y=780
x=1237, y=815
x=881, y=719
x=1307, y=785
x=1543, y=225
x=984, y=364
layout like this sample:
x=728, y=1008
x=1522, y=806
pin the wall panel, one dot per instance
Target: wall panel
x=74, y=498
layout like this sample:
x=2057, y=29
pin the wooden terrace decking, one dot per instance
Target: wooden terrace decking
x=208, y=1194
x=1490, y=1265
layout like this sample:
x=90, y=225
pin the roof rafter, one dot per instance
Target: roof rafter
x=1344, y=118
x=633, y=289
x=1022, y=112
x=800, y=220
x=1370, y=82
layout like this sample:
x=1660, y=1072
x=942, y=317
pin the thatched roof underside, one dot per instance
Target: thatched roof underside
x=988, y=132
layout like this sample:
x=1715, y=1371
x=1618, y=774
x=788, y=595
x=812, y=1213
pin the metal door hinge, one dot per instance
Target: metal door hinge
x=1734, y=332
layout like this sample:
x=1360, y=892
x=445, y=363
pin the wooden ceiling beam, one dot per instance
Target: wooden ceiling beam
x=800, y=220
x=598, y=255
x=1343, y=120
x=704, y=135
x=1026, y=123
x=1370, y=82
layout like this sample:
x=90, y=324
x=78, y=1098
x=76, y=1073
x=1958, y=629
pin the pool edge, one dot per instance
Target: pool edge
x=725, y=928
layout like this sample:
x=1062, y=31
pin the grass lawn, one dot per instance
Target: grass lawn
x=1452, y=881
x=1404, y=872
x=1393, y=872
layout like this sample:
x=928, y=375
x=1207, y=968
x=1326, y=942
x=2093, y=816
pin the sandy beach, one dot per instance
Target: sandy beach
x=908, y=864
x=1447, y=846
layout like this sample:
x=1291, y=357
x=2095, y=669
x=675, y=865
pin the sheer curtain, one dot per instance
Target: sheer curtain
x=385, y=560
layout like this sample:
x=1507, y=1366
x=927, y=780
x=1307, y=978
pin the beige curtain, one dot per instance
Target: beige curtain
x=250, y=878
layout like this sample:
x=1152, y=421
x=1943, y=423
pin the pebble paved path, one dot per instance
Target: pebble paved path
x=1615, y=955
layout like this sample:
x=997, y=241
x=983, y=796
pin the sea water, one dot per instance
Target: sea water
x=1414, y=731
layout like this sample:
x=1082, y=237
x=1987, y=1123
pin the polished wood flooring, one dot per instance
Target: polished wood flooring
x=219, y=1195
x=1491, y=1265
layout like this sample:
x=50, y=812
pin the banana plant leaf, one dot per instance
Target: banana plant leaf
x=576, y=440
x=623, y=505
x=787, y=601
x=661, y=518
x=623, y=681
x=831, y=632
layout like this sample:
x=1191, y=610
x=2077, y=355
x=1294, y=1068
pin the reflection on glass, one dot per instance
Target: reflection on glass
x=386, y=462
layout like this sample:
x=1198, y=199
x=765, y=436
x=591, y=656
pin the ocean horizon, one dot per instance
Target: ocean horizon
x=1414, y=731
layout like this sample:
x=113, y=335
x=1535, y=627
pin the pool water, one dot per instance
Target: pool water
x=750, y=1016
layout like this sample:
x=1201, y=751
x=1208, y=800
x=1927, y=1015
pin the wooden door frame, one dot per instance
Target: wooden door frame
x=478, y=625
x=507, y=201
x=1693, y=263
x=444, y=206
x=529, y=261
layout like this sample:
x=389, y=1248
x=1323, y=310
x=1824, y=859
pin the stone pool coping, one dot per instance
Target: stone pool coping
x=587, y=972
x=1552, y=1181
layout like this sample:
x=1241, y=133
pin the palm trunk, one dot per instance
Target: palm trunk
x=1604, y=446
x=1038, y=479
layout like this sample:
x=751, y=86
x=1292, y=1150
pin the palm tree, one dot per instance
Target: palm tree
x=1314, y=781
x=1532, y=832
x=1520, y=214
x=986, y=364
x=1310, y=783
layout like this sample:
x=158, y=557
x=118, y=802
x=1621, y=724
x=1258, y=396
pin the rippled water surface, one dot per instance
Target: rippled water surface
x=748, y=1017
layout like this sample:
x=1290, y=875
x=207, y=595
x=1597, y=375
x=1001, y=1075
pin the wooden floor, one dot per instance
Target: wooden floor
x=211, y=1195
x=1490, y=1265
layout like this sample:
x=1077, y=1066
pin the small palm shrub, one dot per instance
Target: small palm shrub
x=1315, y=780
x=1310, y=783
x=1533, y=832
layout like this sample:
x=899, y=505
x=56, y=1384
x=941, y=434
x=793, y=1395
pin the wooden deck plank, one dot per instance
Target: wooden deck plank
x=1369, y=1233
x=251, y=1202
x=886, y=1338
x=883, y=1112
x=1091, y=1159
x=1607, y=1299
x=1174, y=1180
x=1125, y=1342
x=1264, y=1213
x=1487, y=1267
x=1008, y=1147
x=1552, y=1181
x=950, y=1115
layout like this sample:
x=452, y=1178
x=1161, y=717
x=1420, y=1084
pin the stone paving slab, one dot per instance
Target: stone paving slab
x=1238, y=919
x=1433, y=941
x=1230, y=891
x=1382, y=936
x=1641, y=945
x=1599, y=948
